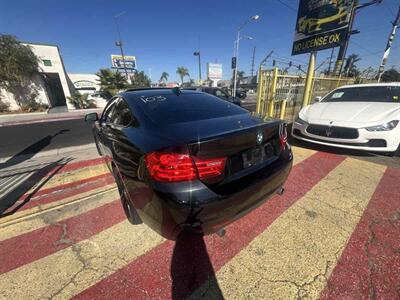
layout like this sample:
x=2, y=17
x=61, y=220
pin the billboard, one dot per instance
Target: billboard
x=321, y=24
x=118, y=63
x=214, y=71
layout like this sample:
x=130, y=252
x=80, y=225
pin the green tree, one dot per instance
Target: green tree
x=391, y=75
x=18, y=66
x=140, y=80
x=164, y=78
x=240, y=76
x=111, y=82
x=81, y=101
x=182, y=72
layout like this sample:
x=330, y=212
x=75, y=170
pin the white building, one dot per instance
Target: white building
x=51, y=82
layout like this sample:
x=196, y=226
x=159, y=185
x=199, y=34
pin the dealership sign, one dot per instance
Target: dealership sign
x=321, y=24
x=214, y=71
x=129, y=62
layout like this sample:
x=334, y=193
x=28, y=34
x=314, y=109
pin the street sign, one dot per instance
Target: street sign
x=321, y=24
x=214, y=71
x=233, y=62
x=129, y=62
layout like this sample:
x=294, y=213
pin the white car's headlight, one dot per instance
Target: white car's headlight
x=300, y=121
x=384, y=127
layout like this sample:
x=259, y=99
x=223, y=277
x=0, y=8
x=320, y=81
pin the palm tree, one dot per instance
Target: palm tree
x=182, y=72
x=111, y=82
x=163, y=78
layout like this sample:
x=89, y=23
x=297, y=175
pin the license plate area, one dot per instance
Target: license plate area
x=253, y=157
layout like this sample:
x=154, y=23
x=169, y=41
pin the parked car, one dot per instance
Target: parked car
x=99, y=98
x=186, y=160
x=364, y=117
x=218, y=92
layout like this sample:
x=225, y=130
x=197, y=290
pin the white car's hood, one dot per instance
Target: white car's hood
x=350, y=112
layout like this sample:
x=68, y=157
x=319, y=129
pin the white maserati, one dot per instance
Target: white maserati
x=363, y=116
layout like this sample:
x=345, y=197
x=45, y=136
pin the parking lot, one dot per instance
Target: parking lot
x=333, y=234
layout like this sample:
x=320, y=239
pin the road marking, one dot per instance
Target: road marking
x=65, y=190
x=71, y=270
x=295, y=255
x=373, y=250
x=150, y=277
x=60, y=213
x=37, y=210
x=41, y=242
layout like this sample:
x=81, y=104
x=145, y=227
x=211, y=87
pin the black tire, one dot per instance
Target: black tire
x=396, y=153
x=130, y=212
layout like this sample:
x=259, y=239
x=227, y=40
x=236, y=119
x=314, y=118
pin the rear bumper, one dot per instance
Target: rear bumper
x=170, y=208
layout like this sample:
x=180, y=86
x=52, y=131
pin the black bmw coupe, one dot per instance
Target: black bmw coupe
x=186, y=160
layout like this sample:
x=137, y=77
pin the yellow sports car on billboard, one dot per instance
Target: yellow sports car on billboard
x=312, y=24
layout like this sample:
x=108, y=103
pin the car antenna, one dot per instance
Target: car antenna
x=176, y=90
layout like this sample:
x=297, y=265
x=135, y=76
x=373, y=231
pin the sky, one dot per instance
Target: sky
x=164, y=34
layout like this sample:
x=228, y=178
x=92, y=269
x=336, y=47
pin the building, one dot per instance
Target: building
x=51, y=83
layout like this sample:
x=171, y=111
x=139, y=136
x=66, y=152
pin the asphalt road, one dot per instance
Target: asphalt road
x=33, y=138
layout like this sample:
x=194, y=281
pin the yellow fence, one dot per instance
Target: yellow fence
x=280, y=95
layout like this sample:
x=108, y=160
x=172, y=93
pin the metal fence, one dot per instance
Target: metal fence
x=281, y=95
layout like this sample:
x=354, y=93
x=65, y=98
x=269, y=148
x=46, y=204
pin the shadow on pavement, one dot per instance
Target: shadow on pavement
x=191, y=267
x=31, y=150
x=20, y=188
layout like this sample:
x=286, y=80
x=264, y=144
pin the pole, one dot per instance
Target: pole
x=392, y=34
x=119, y=43
x=199, y=68
x=309, y=79
x=237, y=60
x=330, y=61
x=271, y=104
x=252, y=61
x=343, y=48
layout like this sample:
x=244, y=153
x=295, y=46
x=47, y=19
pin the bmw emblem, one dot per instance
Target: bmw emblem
x=260, y=138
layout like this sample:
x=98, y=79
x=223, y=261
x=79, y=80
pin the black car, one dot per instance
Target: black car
x=189, y=160
x=218, y=92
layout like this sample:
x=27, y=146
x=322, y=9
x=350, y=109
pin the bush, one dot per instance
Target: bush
x=33, y=106
x=81, y=101
x=4, y=107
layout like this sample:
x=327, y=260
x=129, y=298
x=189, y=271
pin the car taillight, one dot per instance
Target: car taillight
x=174, y=167
x=283, y=136
x=207, y=168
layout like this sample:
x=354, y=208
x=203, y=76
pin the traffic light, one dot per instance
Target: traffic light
x=273, y=62
x=233, y=62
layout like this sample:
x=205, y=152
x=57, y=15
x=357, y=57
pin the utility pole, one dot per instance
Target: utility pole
x=392, y=34
x=330, y=61
x=252, y=62
x=197, y=53
x=343, y=48
x=119, y=42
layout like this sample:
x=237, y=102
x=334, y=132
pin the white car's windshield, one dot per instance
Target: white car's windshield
x=365, y=94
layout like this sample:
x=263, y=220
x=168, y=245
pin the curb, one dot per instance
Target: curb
x=57, y=151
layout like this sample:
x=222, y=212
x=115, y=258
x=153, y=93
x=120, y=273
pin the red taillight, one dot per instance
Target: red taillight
x=283, y=137
x=210, y=167
x=173, y=167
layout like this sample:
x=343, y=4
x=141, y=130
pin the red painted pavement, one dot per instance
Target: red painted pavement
x=369, y=267
x=63, y=191
x=150, y=276
x=31, y=246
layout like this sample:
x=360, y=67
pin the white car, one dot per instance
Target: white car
x=364, y=117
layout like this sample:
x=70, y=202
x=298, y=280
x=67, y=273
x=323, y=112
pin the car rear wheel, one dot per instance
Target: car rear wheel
x=129, y=210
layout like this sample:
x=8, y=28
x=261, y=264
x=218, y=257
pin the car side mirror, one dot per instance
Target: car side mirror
x=92, y=117
x=317, y=99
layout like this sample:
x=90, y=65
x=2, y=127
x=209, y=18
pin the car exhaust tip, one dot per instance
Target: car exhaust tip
x=221, y=232
x=280, y=191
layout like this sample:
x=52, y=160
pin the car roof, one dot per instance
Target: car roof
x=155, y=91
x=370, y=85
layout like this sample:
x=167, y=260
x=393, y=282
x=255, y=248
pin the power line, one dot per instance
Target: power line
x=287, y=5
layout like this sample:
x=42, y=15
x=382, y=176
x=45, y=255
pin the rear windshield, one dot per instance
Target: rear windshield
x=170, y=108
x=365, y=94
